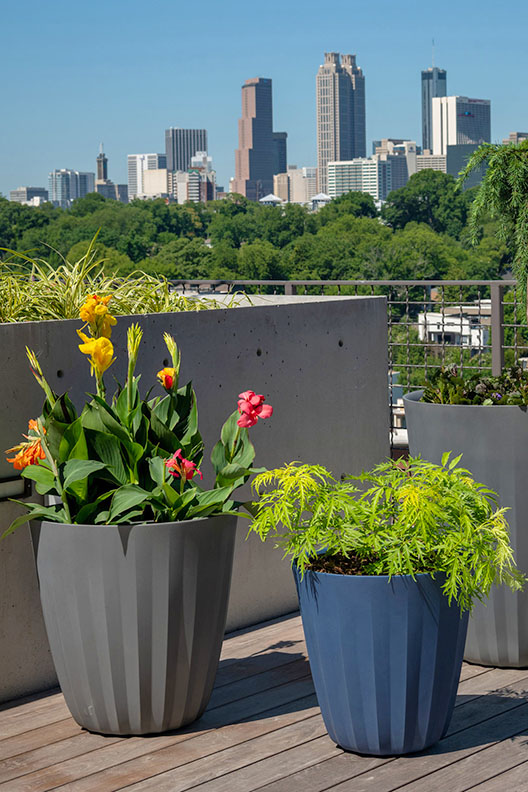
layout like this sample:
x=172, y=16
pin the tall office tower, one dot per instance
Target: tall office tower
x=434, y=83
x=137, y=163
x=281, y=155
x=102, y=166
x=65, y=185
x=341, y=130
x=458, y=120
x=181, y=145
x=256, y=155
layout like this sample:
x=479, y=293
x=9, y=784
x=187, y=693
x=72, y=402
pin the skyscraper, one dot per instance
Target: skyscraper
x=458, y=120
x=260, y=151
x=102, y=165
x=137, y=163
x=434, y=83
x=341, y=129
x=181, y=145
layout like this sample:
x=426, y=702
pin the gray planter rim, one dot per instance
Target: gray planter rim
x=415, y=396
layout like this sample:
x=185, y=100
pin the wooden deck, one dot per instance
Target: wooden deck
x=263, y=730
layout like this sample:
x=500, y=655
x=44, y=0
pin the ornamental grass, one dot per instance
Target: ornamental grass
x=31, y=289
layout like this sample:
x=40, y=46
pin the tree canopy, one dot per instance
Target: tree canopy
x=421, y=232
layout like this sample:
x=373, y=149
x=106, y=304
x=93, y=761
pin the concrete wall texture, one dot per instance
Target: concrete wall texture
x=321, y=364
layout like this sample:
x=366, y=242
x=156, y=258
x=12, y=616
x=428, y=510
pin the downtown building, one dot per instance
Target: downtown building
x=296, y=185
x=31, y=196
x=105, y=186
x=372, y=175
x=181, y=146
x=137, y=165
x=197, y=183
x=341, y=127
x=458, y=120
x=434, y=84
x=402, y=157
x=261, y=153
x=65, y=186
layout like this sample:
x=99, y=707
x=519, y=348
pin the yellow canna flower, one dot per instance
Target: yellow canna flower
x=101, y=351
x=95, y=313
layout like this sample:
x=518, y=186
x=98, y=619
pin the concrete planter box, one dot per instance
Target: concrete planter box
x=322, y=364
x=135, y=617
x=494, y=444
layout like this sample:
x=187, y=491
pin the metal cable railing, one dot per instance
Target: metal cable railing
x=478, y=325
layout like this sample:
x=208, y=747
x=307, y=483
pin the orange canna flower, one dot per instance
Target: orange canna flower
x=167, y=377
x=29, y=451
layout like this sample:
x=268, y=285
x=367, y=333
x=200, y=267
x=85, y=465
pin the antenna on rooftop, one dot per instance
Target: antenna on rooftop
x=101, y=148
x=432, y=56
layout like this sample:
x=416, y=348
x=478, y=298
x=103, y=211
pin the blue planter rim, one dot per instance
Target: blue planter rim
x=388, y=578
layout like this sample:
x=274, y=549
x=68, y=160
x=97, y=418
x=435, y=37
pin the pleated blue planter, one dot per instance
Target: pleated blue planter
x=135, y=616
x=385, y=658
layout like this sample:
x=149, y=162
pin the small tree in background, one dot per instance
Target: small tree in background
x=503, y=194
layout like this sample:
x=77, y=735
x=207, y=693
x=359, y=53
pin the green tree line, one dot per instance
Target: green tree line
x=421, y=233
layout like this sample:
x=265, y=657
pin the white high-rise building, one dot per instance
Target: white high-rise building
x=364, y=174
x=137, y=164
x=458, y=120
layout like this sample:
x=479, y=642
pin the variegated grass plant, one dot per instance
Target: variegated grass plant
x=31, y=289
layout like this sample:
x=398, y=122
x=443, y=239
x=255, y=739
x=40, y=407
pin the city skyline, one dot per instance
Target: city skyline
x=133, y=99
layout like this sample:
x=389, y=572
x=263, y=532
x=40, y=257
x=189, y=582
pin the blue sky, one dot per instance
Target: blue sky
x=76, y=73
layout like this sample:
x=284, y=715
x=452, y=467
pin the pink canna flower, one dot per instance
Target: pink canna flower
x=180, y=467
x=251, y=407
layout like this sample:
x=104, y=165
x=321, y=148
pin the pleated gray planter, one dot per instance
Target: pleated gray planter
x=494, y=444
x=385, y=658
x=135, y=617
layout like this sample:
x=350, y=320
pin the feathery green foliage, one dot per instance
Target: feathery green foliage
x=412, y=517
x=503, y=194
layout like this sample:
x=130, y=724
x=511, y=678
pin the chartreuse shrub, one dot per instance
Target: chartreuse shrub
x=401, y=518
x=129, y=459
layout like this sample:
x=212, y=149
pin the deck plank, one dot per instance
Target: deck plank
x=263, y=730
x=514, y=780
x=85, y=764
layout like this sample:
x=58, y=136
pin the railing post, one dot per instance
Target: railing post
x=290, y=288
x=497, y=329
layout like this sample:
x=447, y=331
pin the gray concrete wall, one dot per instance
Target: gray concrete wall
x=322, y=364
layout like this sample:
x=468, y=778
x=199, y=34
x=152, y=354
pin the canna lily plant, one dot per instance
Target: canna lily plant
x=130, y=459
